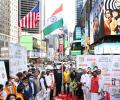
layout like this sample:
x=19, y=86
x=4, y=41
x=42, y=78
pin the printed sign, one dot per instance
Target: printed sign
x=17, y=59
x=3, y=75
x=110, y=66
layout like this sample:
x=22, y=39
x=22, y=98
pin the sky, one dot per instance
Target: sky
x=68, y=11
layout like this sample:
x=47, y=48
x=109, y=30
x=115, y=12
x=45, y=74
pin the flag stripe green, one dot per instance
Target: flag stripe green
x=53, y=27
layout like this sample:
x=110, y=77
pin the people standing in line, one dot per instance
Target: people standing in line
x=94, y=87
x=95, y=68
x=25, y=73
x=89, y=70
x=85, y=80
x=19, y=78
x=27, y=89
x=33, y=86
x=37, y=79
x=10, y=88
x=73, y=87
x=48, y=81
x=79, y=92
x=19, y=93
x=73, y=74
x=66, y=80
x=44, y=86
x=73, y=83
x=58, y=81
x=52, y=85
x=3, y=95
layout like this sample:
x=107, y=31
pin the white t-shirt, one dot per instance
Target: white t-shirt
x=85, y=78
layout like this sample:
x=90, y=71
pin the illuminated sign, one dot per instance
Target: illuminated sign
x=78, y=33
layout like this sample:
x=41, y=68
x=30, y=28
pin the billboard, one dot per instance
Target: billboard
x=111, y=17
x=96, y=21
x=17, y=59
x=78, y=32
x=27, y=42
x=110, y=66
x=107, y=48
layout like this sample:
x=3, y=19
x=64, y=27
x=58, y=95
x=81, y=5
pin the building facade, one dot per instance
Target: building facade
x=8, y=25
x=99, y=34
x=25, y=6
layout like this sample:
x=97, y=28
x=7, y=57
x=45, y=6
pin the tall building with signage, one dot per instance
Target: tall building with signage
x=79, y=4
x=8, y=25
x=106, y=37
x=99, y=36
x=38, y=46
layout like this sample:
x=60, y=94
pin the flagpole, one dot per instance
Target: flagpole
x=40, y=26
x=19, y=17
x=44, y=17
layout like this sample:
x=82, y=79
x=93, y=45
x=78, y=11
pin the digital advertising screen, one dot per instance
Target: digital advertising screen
x=96, y=21
x=78, y=33
x=111, y=17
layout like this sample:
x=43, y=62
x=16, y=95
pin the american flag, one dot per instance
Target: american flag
x=31, y=19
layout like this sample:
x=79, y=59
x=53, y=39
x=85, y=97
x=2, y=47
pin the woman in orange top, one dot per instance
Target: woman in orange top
x=107, y=21
x=10, y=88
x=19, y=95
x=2, y=93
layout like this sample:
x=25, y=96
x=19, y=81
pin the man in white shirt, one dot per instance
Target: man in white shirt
x=48, y=79
x=44, y=87
x=85, y=80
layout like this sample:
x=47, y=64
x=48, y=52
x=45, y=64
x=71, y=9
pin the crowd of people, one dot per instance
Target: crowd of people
x=86, y=84
x=34, y=84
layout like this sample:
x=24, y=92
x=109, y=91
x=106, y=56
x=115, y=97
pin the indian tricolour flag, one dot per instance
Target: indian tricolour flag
x=54, y=22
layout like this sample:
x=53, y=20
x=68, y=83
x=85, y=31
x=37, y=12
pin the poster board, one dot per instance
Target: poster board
x=110, y=66
x=17, y=59
x=3, y=74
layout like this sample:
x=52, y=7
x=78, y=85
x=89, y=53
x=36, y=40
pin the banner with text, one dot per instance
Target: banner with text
x=17, y=59
x=110, y=66
x=3, y=74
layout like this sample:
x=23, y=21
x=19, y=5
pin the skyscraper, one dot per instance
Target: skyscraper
x=79, y=5
x=8, y=24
